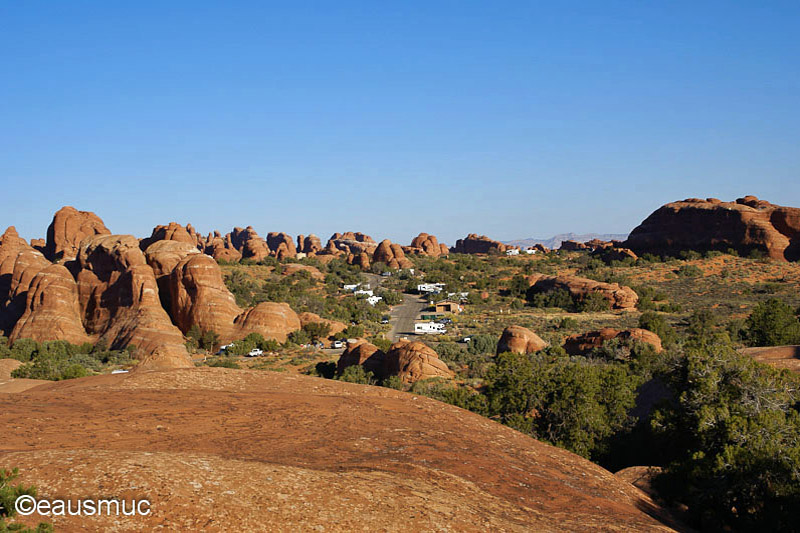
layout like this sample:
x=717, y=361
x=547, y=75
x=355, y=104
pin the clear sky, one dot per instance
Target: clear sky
x=511, y=119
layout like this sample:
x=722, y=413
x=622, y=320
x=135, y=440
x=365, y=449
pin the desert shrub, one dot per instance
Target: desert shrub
x=449, y=351
x=656, y=323
x=574, y=405
x=324, y=369
x=689, y=255
x=23, y=349
x=393, y=382
x=593, y=302
x=482, y=344
x=449, y=392
x=702, y=322
x=197, y=338
x=518, y=286
x=357, y=374
x=317, y=330
x=222, y=362
x=299, y=336
x=390, y=297
x=732, y=433
x=772, y=323
x=568, y=323
x=689, y=271
x=382, y=343
x=8, y=495
x=560, y=298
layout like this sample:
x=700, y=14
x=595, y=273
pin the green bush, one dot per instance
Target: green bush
x=772, y=323
x=8, y=495
x=656, y=323
x=560, y=298
x=593, y=302
x=689, y=271
x=357, y=374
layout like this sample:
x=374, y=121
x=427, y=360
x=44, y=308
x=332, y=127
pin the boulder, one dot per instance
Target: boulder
x=392, y=255
x=479, y=244
x=292, y=268
x=620, y=296
x=613, y=253
x=52, y=311
x=573, y=246
x=746, y=225
x=361, y=352
x=520, y=340
x=413, y=361
x=273, y=320
x=68, y=228
x=584, y=343
x=425, y=244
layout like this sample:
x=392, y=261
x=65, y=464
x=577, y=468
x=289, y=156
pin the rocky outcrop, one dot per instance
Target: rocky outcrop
x=573, y=246
x=199, y=297
x=361, y=352
x=584, y=343
x=479, y=244
x=68, y=228
x=619, y=296
x=352, y=243
x=249, y=243
x=360, y=260
x=745, y=225
x=52, y=311
x=312, y=318
x=281, y=245
x=26, y=265
x=293, y=268
x=613, y=253
x=426, y=244
x=222, y=249
x=520, y=340
x=10, y=246
x=413, y=361
x=163, y=256
x=309, y=245
x=119, y=300
x=171, y=232
x=778, y=356
x=392, y=255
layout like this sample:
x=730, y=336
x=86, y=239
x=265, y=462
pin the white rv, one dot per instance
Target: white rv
x=429, y=328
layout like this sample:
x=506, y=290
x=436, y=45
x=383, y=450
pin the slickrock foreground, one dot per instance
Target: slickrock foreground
x=234, y=450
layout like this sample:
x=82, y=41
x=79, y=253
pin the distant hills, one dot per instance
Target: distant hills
x=556, y=240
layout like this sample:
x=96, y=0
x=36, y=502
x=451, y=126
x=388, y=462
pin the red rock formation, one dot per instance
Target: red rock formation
x=392, y=255
x=360, y=259
x=222, y=248
x=361, y=352
x=249, y=243
x=24, y=267
x=312, y=318
x=425, y=244
x=609, y=254
x=292, y=268
x=620, y=296
x=573, y=246
x=171, y=232
x=349, y=242
x=778, y=356
x=520, y=340
x=310, y=244
x=40, y=245
x=479, y=244
x=52, y=311
x=745, y=225
x=281, y=245
x=413, y=361
x=273, y=320
x=119, y=299
x=68, y=228
x=584, y=343
x=199, y=297
x=163, y=256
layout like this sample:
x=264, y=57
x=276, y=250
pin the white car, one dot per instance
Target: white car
x=338, y=344
x=255, y=352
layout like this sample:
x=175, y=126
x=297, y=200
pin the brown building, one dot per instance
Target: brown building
x=449, y=307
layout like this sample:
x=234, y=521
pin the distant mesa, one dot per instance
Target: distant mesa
x=555, y=242
x=746, y=225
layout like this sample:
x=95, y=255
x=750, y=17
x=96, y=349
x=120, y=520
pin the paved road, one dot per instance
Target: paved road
x=404, y=316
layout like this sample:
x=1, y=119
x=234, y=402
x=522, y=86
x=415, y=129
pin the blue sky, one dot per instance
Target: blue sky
x=512, y=119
